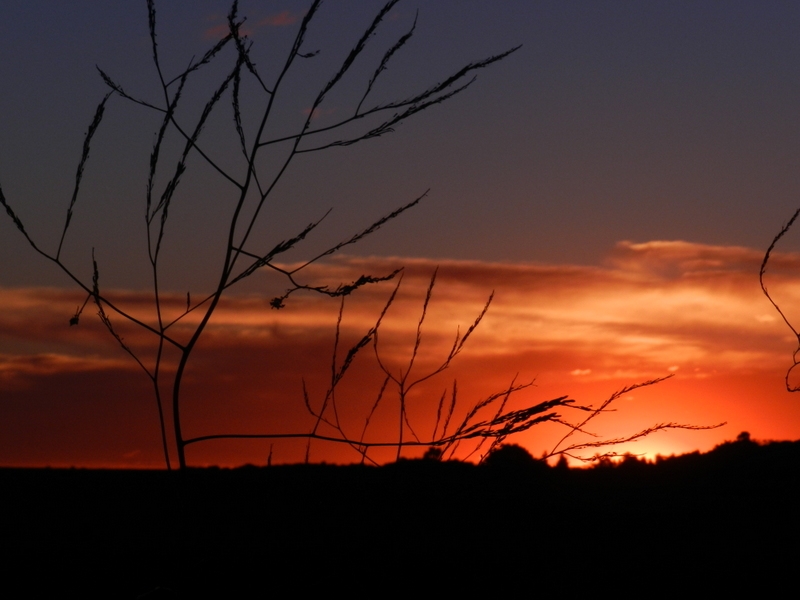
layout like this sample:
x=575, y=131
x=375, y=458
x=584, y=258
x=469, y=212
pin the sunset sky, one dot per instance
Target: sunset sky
x=615, y=182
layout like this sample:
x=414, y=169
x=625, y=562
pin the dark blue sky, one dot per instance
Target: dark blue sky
x=616, y=120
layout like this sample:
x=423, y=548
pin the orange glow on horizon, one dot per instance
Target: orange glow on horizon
x=72, y=397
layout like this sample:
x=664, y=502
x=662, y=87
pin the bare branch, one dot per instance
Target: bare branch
x=385, y=61
x=354, y=53
x=98, y=116
x=242, y=48
x=10, y=212
x=371, y=229
x=761, y=273
x=605, y=443
x=154, y=156
x=207, y=57
x=594, y=412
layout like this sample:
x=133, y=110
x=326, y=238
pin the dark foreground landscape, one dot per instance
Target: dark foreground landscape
x=709, y=522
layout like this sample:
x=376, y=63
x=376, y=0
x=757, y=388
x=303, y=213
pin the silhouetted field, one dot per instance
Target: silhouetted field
x=711, y=521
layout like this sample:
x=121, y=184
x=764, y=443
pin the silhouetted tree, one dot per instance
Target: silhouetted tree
x=433, y=453
x=631, y=462
x=510, y=456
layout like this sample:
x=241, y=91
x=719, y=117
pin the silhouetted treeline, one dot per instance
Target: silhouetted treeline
x=717, y=518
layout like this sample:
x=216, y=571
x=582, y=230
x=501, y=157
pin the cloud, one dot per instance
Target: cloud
x=217, y=32
x=653, y=303
x=318, y=112
x=659, y=305
x=220, y=30
x=685, y=259
x=43, y=364
x=652, y=309
x=281, y=19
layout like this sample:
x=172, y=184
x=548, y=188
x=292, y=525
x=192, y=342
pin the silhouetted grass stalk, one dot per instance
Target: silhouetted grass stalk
x=761, y=274
x=242, y=256
x=239, y=259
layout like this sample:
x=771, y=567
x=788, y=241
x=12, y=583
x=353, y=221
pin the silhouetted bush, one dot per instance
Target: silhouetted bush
x=509, y=456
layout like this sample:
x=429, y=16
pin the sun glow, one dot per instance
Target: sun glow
x=688, y=310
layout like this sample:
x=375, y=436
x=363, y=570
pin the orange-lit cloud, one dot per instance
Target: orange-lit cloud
x=653, y=309
x=220, y=30
x=216, y=32
x=318, y=112
x=281, y=19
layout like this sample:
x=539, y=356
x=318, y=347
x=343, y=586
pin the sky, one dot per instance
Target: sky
x=614, y=182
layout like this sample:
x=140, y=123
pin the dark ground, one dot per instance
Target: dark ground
x=711, y=522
